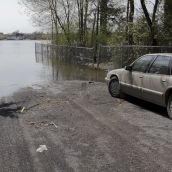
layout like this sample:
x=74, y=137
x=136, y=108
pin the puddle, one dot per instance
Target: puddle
x=9, y=110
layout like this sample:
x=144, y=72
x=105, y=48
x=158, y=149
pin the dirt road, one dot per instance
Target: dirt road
x=83, y=129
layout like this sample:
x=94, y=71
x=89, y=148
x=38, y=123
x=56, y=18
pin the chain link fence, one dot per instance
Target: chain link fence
x=121, y=56
x=65, y=54
x=117, y=56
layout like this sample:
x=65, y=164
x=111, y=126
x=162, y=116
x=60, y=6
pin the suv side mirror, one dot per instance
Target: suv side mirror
x=129, y=68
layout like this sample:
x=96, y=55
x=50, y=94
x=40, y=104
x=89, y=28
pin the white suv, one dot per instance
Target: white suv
x=148, y=78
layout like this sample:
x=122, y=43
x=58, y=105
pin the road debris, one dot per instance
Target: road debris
x=30, y=107
x=42, y=148
x=38, y=124
x=42, y=124
x=52, y=123
x=22, y=110
x=26, y=109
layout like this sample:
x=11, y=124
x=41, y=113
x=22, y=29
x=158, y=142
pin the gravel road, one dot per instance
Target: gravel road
x=83, y=129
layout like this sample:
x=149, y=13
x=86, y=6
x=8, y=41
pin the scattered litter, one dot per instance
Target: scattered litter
x=22, y=110
x=52, y=123
x=42, y=124
x=32, y=123
x=33, y=106
x=25, y=109
x=42, y=148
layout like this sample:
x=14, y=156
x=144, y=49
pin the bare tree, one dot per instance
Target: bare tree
x=89, y=22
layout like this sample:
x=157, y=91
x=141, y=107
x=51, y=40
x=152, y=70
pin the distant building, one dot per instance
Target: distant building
x=27, y=36
x=15, y=36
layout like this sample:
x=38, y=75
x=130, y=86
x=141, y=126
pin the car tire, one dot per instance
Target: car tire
x=114, y=88
x=169, y=107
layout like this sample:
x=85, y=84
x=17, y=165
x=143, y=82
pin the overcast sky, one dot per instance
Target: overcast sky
x=13, y=17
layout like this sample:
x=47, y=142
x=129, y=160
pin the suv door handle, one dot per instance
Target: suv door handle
x=163, y=80
x=140, y=76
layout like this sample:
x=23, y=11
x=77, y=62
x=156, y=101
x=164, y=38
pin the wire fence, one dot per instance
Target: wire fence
x=121, y=56
x=65, y=54
x=118, y=56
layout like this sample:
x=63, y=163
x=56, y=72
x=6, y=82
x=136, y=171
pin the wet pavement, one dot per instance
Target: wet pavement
x=83, y=129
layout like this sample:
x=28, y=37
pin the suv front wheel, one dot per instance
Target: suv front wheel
x=169, y=107
x=114, y=87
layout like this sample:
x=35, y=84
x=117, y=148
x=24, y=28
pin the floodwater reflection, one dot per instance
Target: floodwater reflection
x=65, y=70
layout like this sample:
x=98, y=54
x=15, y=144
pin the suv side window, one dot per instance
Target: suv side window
x=161, y=66
x=142, y=64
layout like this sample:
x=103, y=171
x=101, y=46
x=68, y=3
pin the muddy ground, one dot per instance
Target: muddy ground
x=83, y=129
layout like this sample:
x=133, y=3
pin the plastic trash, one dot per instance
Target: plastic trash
x=52, y=123
x=22, y=110
x=42, y=148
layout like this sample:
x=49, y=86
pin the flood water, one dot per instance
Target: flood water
x=20, y=68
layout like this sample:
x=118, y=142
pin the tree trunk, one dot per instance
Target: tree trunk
x=93, y=31
x=97, y=32
x=168, y=19
x=151, y=22
x=85, y=21
x=130, y=20
x=103, y=20
x=80, y=5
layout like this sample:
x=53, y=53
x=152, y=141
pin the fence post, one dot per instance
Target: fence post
x=35, y=48
x=47, y=50
x=98, y=55
x=36, y=57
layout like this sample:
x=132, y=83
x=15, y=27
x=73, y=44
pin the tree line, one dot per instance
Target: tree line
x=93, y=22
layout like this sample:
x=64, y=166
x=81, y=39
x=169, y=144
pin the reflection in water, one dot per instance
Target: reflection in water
x=65, y=69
